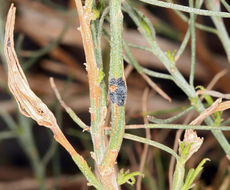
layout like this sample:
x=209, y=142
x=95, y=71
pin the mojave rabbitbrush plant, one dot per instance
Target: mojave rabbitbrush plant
x=108, y=91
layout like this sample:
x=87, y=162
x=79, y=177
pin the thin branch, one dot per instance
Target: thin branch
x=97, y=98
x=187, y=9
x=193, y=44
x=220, y=26
x=133, y=61
x=183, y=45
x=171, y=119
x=156, y=87
x=148, y=136
x=178, y=126
x=151, y=143
x=71, y=113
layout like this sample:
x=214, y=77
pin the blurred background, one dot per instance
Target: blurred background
x=48, y=44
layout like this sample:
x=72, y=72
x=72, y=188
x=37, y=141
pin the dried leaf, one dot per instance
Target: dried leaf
x=29, y=104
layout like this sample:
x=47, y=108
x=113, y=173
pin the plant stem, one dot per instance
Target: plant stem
x=26, y=140
x=7, y=135
x=200, y=26
x=116, y=72
x=187, y=9
x=219, y=24
x=151, y=143
x=193, y=45
x=179, y=126
x=226, y=5
x=97, y=103
x=178, y=177
x=183, y=44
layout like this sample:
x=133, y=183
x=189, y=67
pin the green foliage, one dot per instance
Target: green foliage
x=184, y=151
x=127, y=177
x=171, y=55
x=101, y=76
x=192, y=174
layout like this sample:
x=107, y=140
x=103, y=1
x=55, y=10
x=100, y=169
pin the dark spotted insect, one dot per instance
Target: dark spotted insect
x=117, y=91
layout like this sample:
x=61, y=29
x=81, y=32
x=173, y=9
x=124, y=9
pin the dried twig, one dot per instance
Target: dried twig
x=216, y=78
x=155, y=87
x=207, y=112
x=32, y=106
x=213, y=93
x=148, y=136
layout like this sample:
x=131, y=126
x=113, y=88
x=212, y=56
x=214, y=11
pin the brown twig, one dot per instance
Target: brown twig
x=32, y=106
x=148, y=136
x=155, y=87
x=216, y=78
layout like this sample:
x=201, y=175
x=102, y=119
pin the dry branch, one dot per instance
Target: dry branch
x=32, y=106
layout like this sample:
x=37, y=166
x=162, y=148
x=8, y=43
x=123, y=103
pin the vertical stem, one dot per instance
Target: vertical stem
x=193, y=44
x=2, y=11
x=116, y=75
x=183, y=44
x=97, y=103
x=178, y=177
x=219, y=24
x=26, y=139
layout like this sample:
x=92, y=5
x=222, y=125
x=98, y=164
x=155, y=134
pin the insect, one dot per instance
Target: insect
x=117, y=91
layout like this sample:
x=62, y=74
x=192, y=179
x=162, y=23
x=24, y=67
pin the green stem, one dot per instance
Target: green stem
x=26, y=140
x=183, y=44
x=186, y=9
x=116, y=72
x=200, y=26
x=226, y=5
x=151, y=143
x=180, y=126
x=7, y=135
x=193, y=45
x=178, y=177
x=171, y=119
x=221, y=29
x=97, y=101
